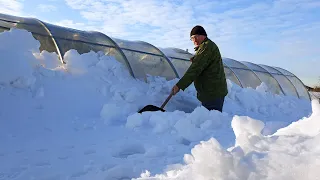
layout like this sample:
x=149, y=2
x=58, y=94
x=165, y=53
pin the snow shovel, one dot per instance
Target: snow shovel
x=155, y=108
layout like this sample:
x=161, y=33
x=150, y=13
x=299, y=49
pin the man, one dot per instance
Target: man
x=206, y=71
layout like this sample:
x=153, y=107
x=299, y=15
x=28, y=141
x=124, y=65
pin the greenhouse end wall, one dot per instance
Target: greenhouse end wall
x=142, y=58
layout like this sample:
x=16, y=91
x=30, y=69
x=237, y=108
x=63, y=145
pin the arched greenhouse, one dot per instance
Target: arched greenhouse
x=142, y=58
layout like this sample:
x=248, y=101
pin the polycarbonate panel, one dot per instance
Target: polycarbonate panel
x=233, y=63
x=5, y=24
x=38, y=32
x=254, y=67
x=270, y=81
x=11, y=18
x=245, y=75
x=46, y=43
x=285, y=84
x=270, y=69
x=33, y=26
x=143, y=64
x=176, y=53
x=66, y=45
x=285, y=72
x=168, y=61
x=137, y=68
x=137, y=46
x=301, y=89
x=265, y=76
x=82, y=47
x=230, y=75
x=247, y=78
x=181, y=66
x=73, y=34
x=83, y=42
x=118, y=56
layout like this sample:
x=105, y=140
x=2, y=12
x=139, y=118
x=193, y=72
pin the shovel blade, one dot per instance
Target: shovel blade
x=151, y=108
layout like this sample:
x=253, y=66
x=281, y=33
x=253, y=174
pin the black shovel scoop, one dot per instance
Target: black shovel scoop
x=155, y=108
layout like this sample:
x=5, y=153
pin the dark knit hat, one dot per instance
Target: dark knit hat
x=198, y=30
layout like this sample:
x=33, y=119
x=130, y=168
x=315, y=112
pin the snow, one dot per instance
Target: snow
x=16, y=68
x=79, y=121
x=291, y=153
x=306, y=126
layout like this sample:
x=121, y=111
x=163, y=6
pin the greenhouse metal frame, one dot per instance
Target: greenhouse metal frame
x=142, y=58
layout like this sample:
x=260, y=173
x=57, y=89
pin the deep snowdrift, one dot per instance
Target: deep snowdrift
x=79, y=121
x=291, y=153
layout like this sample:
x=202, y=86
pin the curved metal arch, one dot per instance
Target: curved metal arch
x=45, y=28
x=254, y=71
x=173, y=68
x=121, y=52
x=236, y=61
x=298, y=80
x=53, y=40
x=180, y=50
x=274, y=78
x=3, y=17
x=248, y=68
x=233, y=73
x=251, y=70
x=267, y=72
x=287, y=79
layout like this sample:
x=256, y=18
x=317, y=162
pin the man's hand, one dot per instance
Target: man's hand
x=175, y=89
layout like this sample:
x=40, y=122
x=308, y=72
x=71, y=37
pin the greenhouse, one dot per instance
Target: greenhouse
x=142, y=58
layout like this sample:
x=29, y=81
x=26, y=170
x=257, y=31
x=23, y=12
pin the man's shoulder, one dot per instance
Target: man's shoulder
x=209, y=44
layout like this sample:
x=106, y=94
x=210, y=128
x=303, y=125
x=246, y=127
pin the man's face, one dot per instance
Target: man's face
x=195, y=39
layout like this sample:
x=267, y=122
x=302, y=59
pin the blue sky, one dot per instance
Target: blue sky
x=283, y=33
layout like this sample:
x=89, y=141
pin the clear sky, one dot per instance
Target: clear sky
x=283, y=33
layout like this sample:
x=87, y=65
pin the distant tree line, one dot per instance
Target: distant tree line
x=315, y=88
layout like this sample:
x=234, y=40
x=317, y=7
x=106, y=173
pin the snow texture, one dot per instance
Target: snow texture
x=79, y=120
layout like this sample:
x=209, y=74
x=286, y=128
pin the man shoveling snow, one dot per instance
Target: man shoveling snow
x=206, y=71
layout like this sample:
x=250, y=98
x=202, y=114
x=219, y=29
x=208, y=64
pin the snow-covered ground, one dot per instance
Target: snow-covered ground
x=80, y=121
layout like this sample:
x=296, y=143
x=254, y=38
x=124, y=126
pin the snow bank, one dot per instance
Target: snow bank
x=305, y=127
x=254, y=156
x=48, y=60
x=188, y=127
x=17, y=68
x=261, y=104
x=79, y=121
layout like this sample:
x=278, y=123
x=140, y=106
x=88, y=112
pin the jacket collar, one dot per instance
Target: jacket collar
x=205, y=40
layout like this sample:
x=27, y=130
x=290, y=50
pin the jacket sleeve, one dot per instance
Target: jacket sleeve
x=200, y=61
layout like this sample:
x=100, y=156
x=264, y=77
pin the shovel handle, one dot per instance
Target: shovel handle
x=166, y=101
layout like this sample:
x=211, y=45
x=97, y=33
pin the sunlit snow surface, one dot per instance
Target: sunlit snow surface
x=79, y=121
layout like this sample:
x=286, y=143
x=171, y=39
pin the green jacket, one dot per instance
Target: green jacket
x=207, y=73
